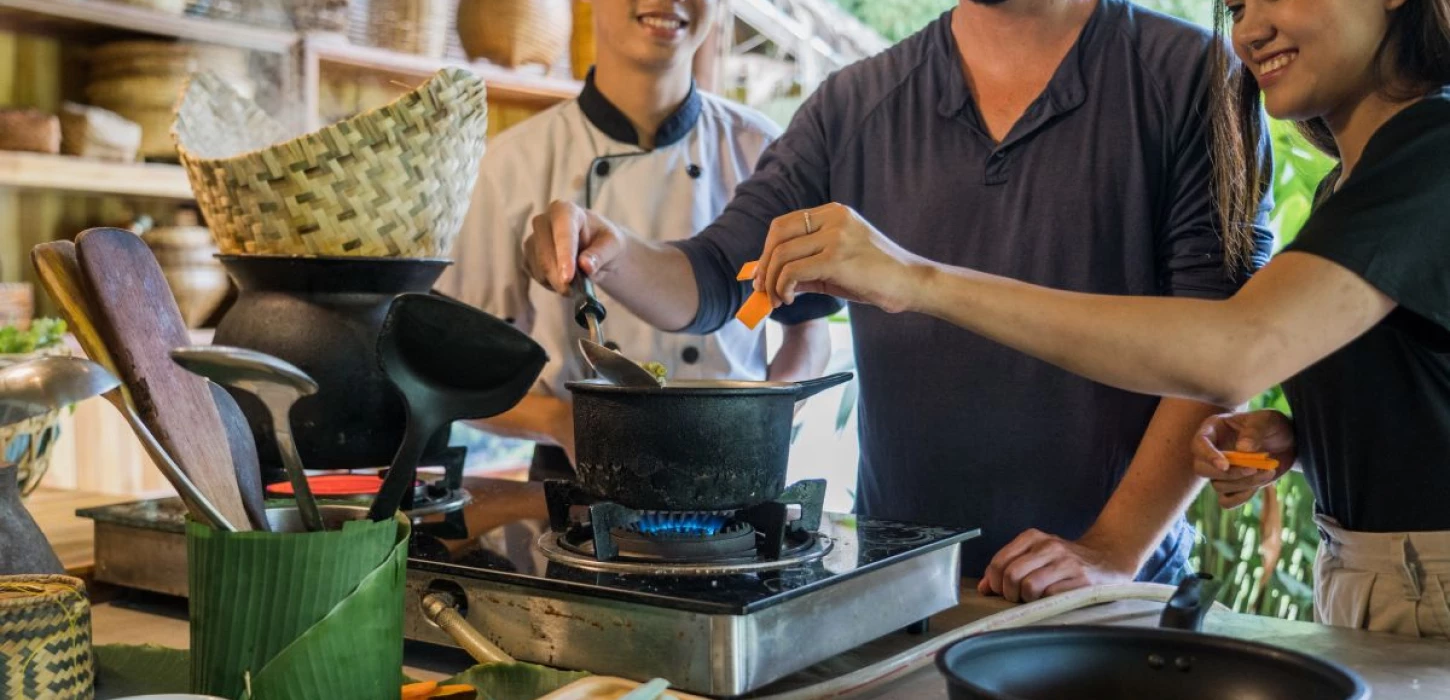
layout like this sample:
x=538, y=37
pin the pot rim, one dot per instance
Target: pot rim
x=689, y=387
x=1110, y=634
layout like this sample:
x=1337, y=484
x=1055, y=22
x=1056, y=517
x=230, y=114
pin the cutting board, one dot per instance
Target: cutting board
x=139, y=321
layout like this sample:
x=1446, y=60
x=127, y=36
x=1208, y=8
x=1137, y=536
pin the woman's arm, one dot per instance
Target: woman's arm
x=1296, y=310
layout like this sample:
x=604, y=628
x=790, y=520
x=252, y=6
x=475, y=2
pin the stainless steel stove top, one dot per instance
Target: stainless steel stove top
x=719, y=634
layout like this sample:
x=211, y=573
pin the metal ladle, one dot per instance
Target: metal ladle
x=610, y=365
x=42, y=385
x=279, y=385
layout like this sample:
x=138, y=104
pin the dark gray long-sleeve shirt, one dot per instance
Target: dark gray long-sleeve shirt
x=1103, y=186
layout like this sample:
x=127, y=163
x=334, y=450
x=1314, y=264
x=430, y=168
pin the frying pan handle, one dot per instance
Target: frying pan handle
x=1190, y=603
x=811, y=387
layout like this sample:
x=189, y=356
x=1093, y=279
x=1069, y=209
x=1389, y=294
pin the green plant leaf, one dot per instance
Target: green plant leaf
x=124, y=670
x=516, y=681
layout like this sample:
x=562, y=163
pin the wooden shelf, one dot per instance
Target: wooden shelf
x=98, y=19
x=69, y=173
x=334, y=53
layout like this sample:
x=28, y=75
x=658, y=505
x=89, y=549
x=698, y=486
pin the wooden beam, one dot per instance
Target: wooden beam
x=40, y=171
x=98, y=18
x=516, y=86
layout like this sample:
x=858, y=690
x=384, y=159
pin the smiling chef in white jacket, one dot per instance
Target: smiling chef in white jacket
x=644, y=148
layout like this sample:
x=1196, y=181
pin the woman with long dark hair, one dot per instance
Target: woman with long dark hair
x=1353, y=317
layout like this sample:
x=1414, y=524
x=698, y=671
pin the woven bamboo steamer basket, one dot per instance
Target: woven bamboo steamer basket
x=410, y=26
x=45, y=638
x=142, y=57
x=515, y=32
x=395, y=181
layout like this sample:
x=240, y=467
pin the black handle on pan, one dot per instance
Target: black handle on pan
x=1190, y=603
x=811, y=387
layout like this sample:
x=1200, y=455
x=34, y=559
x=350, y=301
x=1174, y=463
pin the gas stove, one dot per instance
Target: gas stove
x=720, y=603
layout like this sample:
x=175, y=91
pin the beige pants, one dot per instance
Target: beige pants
x=1383, y=581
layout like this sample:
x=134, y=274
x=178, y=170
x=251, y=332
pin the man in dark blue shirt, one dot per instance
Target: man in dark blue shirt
x=1061, y=142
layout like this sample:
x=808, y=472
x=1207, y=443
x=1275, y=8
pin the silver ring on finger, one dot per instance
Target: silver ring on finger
x=809, y=229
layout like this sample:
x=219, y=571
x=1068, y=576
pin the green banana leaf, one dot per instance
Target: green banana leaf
x=298, y=615
x=516, y=681
x=124, y=670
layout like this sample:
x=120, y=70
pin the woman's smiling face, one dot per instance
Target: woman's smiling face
x=1312, y=58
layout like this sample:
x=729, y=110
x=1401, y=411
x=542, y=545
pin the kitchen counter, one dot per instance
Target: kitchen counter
x=1394, y=667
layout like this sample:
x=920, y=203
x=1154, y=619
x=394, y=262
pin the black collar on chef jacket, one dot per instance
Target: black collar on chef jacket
x=607, y=118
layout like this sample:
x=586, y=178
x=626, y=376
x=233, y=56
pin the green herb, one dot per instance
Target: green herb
x=43, y=333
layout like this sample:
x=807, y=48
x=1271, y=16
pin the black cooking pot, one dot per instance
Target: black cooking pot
x=691, y=445
x=1108, y=663
x=323, y=315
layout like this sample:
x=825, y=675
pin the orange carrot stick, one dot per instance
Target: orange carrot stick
x=754, y=310
x=1252, y=460
x=419, y=691
x=748, y=271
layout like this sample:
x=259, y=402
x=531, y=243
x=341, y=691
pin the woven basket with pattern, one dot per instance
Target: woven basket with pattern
x=392, y=182
x=515, y=32
x=410, y=26
x=45, y=638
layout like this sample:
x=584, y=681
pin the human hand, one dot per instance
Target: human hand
x=833, y=250
x=1256, y=431
x=1036, y=565
x=567, y=238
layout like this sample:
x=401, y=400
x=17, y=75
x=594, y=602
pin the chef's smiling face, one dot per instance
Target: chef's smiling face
x=653, y=33
x=1312, y=58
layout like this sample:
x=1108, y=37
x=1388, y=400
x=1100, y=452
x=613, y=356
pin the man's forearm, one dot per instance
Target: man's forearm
x=655, y=282
x=1157, y=488
x=537, y=417
x=803, y=352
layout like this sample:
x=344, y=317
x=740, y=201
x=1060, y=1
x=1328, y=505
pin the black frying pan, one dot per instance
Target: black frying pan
x=1108, y=663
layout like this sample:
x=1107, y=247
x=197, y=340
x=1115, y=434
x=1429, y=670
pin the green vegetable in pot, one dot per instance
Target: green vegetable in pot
x=657, y=369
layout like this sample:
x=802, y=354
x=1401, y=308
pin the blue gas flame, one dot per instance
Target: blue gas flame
x=702, y=524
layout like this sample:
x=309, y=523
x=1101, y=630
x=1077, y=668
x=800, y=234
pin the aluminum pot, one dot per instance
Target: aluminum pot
x=691, y=445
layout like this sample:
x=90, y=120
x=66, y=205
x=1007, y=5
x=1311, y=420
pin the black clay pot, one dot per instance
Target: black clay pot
x=690, y=445
x=323, y=314
x=23, y=547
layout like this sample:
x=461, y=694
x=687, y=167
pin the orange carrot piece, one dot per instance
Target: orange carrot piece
x=1252, y=460
x=419, y=691
x=754, y=310
x=748, y=271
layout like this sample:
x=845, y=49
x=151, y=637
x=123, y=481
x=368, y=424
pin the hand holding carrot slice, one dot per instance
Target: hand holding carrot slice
x=757, y=306
x=1252, y=460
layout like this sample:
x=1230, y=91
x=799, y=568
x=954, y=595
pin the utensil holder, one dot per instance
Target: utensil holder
x=294, y=614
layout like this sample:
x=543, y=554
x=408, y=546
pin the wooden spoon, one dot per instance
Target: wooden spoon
x=138, y=318
x=59, y=271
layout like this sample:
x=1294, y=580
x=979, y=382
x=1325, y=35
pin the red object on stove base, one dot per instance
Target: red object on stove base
x=333, y=485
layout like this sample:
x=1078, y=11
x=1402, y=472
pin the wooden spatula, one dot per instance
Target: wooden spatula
x=139, y=321
x=59, y=271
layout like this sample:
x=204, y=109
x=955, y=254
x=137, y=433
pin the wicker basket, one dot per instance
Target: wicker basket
x=140, y=81
x=45, y=638
x=391, y=182
x=410, y=26
x=92, y=132
x=319, y=15
x=40, y=433
x=29, y=130
x=515, y=32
